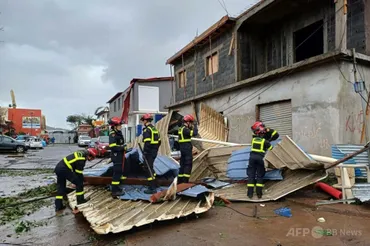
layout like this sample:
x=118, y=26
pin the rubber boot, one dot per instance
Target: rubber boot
x=152, y=188
x=81, y=200
x=250, y=191
x=59, y=206
x=180, y=180
x=118, y=192
x=185, y=180
x=259, y=192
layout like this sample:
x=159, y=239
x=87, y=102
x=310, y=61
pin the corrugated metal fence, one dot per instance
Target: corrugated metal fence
x=339, y=151
x=61, y=137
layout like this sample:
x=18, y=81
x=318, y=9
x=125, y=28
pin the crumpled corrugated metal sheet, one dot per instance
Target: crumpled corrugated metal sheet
x=361, y=192
x=106, y=214
x=273, y=190
x=288, y=154
x=299, y=171
x=162, y=127
x=339, y=151
x=211, y=126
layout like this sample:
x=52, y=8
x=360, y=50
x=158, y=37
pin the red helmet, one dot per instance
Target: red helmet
x=114, y=121
x=188, y=118
x=258, y=127
x=92, y=152
x=146, y=117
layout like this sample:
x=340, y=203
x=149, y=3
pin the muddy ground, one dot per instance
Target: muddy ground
x=344, y=224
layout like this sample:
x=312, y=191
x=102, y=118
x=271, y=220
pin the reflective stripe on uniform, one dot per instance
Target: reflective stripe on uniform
x=270, y=148
x=151, y=139
x=59, y=197
x=250, y=185
x=260, y=185
x=123, y=177
x=150, y=179
x=80, y=193
x=78, y=157
x=273, y=133
x=181, y=136
x=79, y=171
x=184, y=175
x=181, y=175
x=112, y=145
x=115, y=183
x=255, y=143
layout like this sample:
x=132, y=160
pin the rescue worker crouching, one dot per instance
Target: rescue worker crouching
x=71, y=169
x=118, y=148
x=256, y=167
x=185, y=133
x=152, y=141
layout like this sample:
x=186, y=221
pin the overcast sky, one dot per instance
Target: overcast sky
x=70, y=56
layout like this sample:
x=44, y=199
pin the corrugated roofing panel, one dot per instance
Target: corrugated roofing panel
x=361, y=192
x=136, y=192
x=194, y=191
x=339, y=151
x=273, y=190
x=106, y=214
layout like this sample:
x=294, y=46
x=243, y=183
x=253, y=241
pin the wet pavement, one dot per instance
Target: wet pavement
x=219, y=226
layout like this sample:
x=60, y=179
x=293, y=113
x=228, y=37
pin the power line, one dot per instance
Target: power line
x=223, y=6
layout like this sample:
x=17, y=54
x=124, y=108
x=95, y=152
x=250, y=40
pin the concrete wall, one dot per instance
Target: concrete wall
x=195, y=65
x=165, y=94
x=321, y=104
x=270, y=46
x=356, y=28
x=351, y=113
x=118, y=111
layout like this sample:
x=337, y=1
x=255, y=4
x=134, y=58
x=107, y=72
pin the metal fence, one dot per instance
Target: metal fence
x=61, y=137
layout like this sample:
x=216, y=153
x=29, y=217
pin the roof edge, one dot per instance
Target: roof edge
x=115, y=97
x=201, y=37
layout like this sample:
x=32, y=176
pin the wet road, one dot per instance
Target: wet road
x=219, y=226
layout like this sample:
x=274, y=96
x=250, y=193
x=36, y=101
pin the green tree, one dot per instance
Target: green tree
x=74, y=120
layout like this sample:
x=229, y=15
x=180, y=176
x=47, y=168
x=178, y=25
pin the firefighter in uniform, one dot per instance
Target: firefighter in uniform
x=256, y=167
x=70, y=168
x=186, y=132
x=152, y=141
x=118, y=148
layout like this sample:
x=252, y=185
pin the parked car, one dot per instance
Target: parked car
x=23, y=138
x=93, y=142
x=34, y=143
x=102, y=146
x=10, y=144
x=84, y=140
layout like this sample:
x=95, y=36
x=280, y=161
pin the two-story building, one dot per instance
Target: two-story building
x=287, y=63
x=143, y=95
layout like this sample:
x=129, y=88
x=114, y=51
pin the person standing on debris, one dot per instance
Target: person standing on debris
x=256, y=167
x=70, y=168
x=186, y=132
x=152, y=141
x=118, y=148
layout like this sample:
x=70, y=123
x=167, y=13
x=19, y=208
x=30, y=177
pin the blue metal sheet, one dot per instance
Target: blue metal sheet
x=136, y=192
x=339, y=151
x=162, y=165
x=214, y=183
x=194, y=191
x=238, y=164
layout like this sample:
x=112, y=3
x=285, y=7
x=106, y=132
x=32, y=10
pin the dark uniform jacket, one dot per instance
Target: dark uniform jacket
x=74, y=162
x=259, y=146
x=271, y=135
x=151, y=139
x=117, y=146
x=185, y=135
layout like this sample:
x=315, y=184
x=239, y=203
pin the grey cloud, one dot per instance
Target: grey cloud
x=74, y=55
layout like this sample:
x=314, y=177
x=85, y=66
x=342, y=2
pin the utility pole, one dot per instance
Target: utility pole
x=360, y=88
x=31, y=122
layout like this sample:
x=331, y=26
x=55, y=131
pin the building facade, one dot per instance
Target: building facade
x=28, y=121
x=149, y=95
x=288, y=64
x=116, y=105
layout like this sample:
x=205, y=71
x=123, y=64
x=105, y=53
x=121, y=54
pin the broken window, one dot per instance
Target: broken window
x=182, y=79
x=212, y=64
x=309, y=41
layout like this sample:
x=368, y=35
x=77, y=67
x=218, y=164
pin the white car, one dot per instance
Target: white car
x=34, y=143
x=84, y=140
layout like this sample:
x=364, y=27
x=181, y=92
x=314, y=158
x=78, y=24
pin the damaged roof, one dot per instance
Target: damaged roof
x=106, y=214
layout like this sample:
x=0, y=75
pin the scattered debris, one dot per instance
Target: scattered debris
x=25, y=225
x=322, y=220
x=22, y=172
x=286, y=212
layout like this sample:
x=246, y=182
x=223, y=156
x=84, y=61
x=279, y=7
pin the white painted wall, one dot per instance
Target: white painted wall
x=148, y=98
